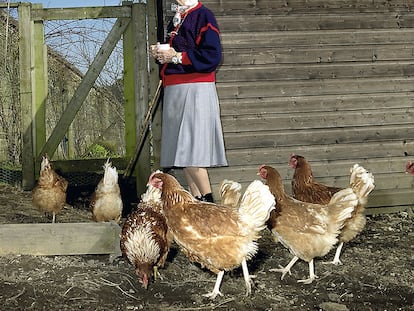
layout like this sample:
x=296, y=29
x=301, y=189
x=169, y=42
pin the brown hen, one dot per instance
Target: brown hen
x=310, y=230
x=305, y=188
x=218, y=237
x=49, y=194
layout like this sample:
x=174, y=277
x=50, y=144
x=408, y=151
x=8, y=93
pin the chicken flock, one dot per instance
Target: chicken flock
x=224, y=236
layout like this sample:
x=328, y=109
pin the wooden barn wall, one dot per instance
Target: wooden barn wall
x=331, y=80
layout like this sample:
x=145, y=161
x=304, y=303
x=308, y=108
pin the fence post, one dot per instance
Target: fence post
x=25, y=70
x=136, y=90
x=40, y=84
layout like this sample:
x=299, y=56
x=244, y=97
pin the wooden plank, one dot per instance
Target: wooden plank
x=276, y=72
x=25, y=75
x=266, y=6
x=391, y=197
x=88, y=165
x=81, y=13
x=312, y=120
x=59, y=239
x=355, y=151
x=317, y=103
x=316, y=38
x=315, y=21
x=84, y=87
x=384, y=185
x=321, y=168
x=306, y=137
x=315, y=87
x=390, y=181
x=233, y=55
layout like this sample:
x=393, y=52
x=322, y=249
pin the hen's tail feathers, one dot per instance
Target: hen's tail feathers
x=110, y=175
x=340, y=208
x=230, y=193
x=345, y=201
x=361, y=182
x=255, y=206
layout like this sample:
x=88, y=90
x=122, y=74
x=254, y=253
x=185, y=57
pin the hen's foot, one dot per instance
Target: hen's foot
x=216, y=289
x=312, y=275
x=283, y=270
x=287, y=268
x=213, y=294
x=309, y=280
x=248, y=279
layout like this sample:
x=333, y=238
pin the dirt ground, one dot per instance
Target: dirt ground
x=377, y=274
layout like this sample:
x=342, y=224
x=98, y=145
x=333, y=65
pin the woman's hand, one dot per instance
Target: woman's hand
x=153, y=50
x=162, y=53
x=165, y=56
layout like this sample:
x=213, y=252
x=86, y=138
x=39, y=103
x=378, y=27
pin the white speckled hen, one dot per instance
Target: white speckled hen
x=145, y=238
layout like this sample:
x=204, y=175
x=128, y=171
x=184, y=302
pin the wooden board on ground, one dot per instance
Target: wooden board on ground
x=60, y=239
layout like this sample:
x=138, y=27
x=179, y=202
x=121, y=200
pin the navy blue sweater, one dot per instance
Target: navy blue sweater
x=198, y=39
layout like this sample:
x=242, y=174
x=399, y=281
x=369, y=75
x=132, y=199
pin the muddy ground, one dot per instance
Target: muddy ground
x=377, y=274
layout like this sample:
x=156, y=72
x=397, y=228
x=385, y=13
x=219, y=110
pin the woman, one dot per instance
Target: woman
x=192, y=135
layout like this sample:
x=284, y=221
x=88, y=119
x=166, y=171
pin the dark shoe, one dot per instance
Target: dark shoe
x=208, y=198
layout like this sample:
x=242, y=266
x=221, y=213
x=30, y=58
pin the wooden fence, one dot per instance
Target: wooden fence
x=330, y=80
x=136, y=23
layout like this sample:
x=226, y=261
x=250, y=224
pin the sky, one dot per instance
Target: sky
x=74, y=3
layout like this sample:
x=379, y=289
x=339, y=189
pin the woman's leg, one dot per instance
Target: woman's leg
x=191, y=184
x=199, y=182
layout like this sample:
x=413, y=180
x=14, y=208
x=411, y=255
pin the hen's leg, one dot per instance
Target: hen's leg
x=287, y=268
x=247, y=278
x=336, y=260
x=156, y=273
x=53, y=218
x=312, y=275
x=216, y=289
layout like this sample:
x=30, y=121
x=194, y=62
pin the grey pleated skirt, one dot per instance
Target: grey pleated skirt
x=191, y=127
